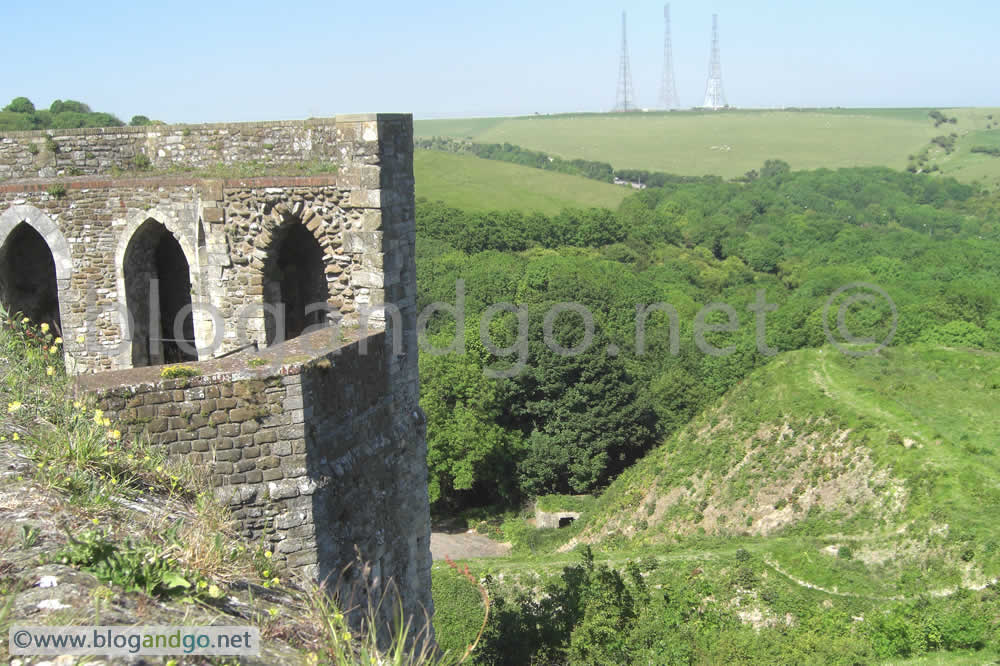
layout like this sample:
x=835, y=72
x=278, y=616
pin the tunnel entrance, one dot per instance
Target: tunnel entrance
x=157, y=290
x=294, y=277
x=28, y=277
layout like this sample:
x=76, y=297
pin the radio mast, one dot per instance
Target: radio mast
x=714, y=97
x=668, y=88
x=625, y=97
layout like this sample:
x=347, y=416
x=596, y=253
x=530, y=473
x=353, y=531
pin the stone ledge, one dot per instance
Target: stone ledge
x=90, y=182
x=282, y=360
x=328, y=121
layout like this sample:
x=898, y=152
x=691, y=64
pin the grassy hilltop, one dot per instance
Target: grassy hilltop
x=731, y=143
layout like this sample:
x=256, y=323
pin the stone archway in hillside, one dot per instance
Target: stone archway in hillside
x=35, y=265
x=294, y=282
x=158, y=297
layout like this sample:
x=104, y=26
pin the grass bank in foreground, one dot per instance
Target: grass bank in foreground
x=125, y=536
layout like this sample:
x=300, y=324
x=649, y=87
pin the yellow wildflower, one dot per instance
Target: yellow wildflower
x=81, y=339
x=16, y=437
x=45, y=327
x=98, y=416
x=106, y=422
x=53, y=349
x=214, y=591
x=346, y=637
x=115, y=435
x=26, y=320
x=77, y=404
x=50, y=371
x=268, y=554
x=13, y=406
x=58, y=341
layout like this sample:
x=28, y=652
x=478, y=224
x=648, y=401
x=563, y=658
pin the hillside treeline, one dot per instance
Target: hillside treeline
x=506, y=152
x=21, y=114
x=569, y=423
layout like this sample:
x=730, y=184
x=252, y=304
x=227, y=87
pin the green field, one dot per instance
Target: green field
x=731, y=143
x=471, y=183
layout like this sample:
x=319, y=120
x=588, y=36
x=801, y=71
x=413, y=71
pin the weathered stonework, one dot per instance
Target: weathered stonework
x=88, y=151
x=317, y=454
x=226, y=229
x=309, y=455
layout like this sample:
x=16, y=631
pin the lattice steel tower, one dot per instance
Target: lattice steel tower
x=714, y=97
x=625, y=97
x=668, y=88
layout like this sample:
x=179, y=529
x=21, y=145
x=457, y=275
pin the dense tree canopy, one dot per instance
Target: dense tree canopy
x=570, y=423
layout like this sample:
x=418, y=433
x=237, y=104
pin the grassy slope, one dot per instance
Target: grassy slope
x=472, y=183
x=818, y=430
x=974, y=128
x=695, y=143
x=919, y=520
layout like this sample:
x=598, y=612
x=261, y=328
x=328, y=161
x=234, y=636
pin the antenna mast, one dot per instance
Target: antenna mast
x=714, y=97
x=625, y=97
x=668, y=89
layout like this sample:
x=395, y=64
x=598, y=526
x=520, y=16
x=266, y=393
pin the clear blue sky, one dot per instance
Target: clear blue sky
x=185, y=61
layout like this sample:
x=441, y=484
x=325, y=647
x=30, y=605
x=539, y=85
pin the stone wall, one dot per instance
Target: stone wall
x=317, y=456
x=308, y=454
x=89, y=151
x=362, y=218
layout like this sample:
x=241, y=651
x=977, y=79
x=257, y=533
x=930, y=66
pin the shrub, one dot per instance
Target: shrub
x=58, y=190
x=142, y=162
x=178, y=371
x=458, y=609
x=20, y=105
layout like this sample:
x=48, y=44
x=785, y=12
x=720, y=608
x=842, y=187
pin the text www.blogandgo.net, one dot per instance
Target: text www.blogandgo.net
x=134, y=640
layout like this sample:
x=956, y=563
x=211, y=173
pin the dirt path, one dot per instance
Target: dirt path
x=463, y=545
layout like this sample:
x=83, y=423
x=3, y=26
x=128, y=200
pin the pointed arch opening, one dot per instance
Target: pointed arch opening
x=295, y=287
x=158, y=297
x=28, y=281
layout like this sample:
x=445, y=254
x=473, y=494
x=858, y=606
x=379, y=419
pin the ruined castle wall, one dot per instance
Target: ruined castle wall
x=270, y=438
x=317, y=457
x=228, y=230
x=91, y=151
x=310, y=455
